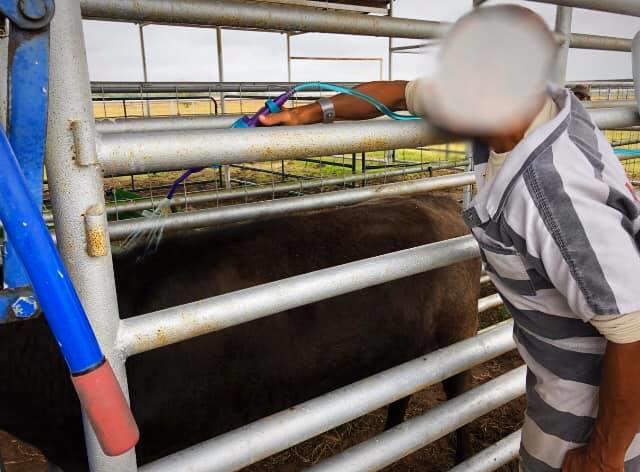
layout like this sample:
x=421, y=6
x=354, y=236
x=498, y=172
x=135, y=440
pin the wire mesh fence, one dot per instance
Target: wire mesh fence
x=626, y=142
x=270, y=180
x=326, y=172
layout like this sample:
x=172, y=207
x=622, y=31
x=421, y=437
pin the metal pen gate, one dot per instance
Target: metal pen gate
x=78, y=153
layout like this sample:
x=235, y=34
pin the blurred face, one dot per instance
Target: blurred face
x=493, y=71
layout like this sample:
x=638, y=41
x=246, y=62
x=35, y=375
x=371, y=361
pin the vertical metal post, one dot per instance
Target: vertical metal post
x=226, y=173
x=563, y=26
x=145, y=70
x=75, y=188
x=390, y=53
x=226, y=170
x=467, y=191
x=220, y=66
x=288, y=57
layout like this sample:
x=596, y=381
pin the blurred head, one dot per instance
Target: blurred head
x=494, y=67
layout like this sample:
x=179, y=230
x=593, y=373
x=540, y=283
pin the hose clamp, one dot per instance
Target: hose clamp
x=328, y=110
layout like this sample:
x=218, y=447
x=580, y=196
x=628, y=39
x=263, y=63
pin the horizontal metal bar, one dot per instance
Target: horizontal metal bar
x=603, y=43
x=145, y=332
x=268, y=190
x=626, y=142
x=136, y=125
x=260, y=16
x=334, y=6
x=607, y=118
x=264, y=190
x=485, y=279
x=623, y=7
x=608, y=103
x=334, y=58
x=198, y=87
x=283, y=206
x=410, y=47
x=398, y=442
x=288, y=18
x=493, y=457
x=100, y=88
x=620, y=83
x=489, y=302
x=576, y=41
x=263, y=438
x=130, y=153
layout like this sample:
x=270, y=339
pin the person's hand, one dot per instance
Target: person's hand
x=287, y=117
x=583, y=459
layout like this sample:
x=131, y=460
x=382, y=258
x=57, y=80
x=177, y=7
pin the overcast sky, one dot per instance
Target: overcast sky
x=189, y=54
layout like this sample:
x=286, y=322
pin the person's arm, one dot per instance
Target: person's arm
x=618, y=416
x=392, y=94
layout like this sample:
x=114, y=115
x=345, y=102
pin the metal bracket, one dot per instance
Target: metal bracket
x=84, y=143
x=28, y=14
x=28, y=78
x=17, y=305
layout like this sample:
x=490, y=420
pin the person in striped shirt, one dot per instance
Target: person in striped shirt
x=558, y=224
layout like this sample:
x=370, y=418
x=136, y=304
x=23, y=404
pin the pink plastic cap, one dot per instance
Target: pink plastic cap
x=107, y=409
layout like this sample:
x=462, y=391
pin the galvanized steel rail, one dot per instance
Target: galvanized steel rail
x=161, y=328
x=76, y=187
x=414, y=434
x=130, y=153
x=263, y=438
x=177, y=123
x=497, y=455
x=272, y=208
x=270, y=16
x=269, y=190
x=623, y=7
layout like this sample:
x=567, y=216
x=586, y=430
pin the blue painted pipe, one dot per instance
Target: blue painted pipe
x=30, y=237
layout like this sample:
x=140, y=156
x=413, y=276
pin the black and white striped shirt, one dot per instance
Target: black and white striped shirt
x=559, y=229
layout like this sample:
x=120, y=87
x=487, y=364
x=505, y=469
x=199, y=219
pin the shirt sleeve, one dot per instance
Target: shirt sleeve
x=414, y=96
x=623, y=329
x=584, y=241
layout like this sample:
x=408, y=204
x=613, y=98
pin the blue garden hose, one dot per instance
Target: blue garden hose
x=381, y=107
x=92, y=376
x=51, y=282
x=627, y=152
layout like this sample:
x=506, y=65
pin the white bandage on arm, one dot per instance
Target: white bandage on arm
x=619, y=329
x=414, y=97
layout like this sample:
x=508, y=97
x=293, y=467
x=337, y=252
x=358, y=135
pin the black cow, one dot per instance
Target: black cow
x=191, y=391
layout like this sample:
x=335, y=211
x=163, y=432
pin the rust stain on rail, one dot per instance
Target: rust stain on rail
x=181, y=326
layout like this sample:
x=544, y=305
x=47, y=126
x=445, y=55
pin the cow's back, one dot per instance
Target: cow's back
x=190, y=391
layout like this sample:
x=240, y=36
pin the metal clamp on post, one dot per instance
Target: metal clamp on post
x=84, y=144
x=31, y=255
